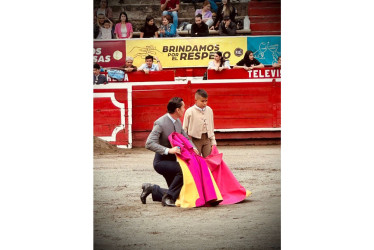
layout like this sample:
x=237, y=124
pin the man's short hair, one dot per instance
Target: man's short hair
x=149, y=57
x=129, y=58
x=96, y=66
x=174, y=103
x=202, y=93
x=199, y=15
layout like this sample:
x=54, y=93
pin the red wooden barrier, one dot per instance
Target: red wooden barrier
x=140, y=76
x=262, y=73
x=111, y=122
x=243, y=108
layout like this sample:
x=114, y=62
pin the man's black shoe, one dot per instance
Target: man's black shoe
x=167, y=201
x=147, y=189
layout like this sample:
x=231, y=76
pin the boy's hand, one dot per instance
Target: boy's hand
x=196, y=151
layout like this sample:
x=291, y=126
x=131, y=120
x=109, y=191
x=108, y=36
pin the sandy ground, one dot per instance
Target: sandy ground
x=121, y=221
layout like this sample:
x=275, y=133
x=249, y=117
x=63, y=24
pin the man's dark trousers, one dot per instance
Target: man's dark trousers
x=167, y=166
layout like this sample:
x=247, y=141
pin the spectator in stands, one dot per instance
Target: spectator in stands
x=226, y=9
x=167, y=29
x=227, y=27
x=106, y=29
x=249, y=62
x=149, y=66
x=128, y=67
x=97, y=78
x=213, y=4
x=170, y=7
x=103, y=9
x=205, y=13
x=199, y=28
x=97, y=27
x=149, y=29
x=278, y=64
x=218, y=63
x=123, y=29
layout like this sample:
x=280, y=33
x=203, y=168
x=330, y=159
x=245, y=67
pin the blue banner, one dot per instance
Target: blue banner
x=266, y=49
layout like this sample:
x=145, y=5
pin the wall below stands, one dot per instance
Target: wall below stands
x=246, y=111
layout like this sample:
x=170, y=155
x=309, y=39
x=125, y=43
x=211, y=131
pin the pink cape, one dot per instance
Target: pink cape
x=231, y=190
x=199, y=188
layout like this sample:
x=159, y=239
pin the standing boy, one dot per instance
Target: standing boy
x=198, y=123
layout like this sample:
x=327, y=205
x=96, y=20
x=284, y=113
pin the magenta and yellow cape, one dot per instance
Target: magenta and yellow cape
x=204, y=183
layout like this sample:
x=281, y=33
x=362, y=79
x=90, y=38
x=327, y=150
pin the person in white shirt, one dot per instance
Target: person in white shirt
x=106, y=29
x=219, y=63
x=149, y=66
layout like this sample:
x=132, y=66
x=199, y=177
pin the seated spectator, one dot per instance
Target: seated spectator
x=170, y=7
x=218, y=63
x=278, y=64
x=97, y=27
x=213, y=4
x=226, y=9
x=149, y=29
x=106, y=29
x=205, y=13
x=123, y=29
x=199, y=28
x=249, y=62
x=128, y=67
x=167, y=29
x=149, y=66
x=227, y=28
x=103, y=9
x=97, y=78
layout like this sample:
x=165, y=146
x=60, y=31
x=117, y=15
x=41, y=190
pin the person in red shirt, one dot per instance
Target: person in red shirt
x=170, y=7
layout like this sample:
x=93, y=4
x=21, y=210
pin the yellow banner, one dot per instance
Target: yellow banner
x=186, y=51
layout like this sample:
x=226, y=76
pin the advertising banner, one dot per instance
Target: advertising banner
x=186, y=52
x=110, y=53
x=266, y=49
x=262, y=73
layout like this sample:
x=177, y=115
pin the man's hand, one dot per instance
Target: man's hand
x=174, y=150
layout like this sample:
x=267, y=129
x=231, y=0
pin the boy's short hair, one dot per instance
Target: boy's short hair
x=96, y=66
x=174, y=103
x=106, y=21
x=202, y=93
x=149, y=57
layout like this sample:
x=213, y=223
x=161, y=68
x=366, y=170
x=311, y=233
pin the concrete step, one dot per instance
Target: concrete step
x=264, y=19
x=187, y=33
x=262, y=33
x=265, y=26
x=264, y=11
x=263, y=4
